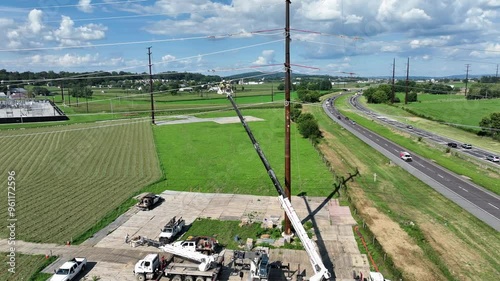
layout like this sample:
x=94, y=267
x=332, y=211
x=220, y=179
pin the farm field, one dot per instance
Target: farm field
x=221, y=158
x=396, y=112
x=69, y=177
x=26, y=268
x=438, y=237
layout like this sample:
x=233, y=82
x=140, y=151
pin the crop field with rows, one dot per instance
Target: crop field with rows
x=68, y=178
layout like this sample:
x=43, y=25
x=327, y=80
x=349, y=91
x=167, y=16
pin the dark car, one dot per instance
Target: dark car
x=409, y=127
x=452, y=144
x=466, y=146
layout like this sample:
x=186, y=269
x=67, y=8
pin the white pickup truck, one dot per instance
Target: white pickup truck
x=69, y=270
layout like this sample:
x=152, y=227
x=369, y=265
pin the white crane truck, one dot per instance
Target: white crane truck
x=320, y=271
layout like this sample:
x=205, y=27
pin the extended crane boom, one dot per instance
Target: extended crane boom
x=320, y=271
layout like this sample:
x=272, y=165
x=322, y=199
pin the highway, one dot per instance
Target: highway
x=478, y=153
x=483, y=204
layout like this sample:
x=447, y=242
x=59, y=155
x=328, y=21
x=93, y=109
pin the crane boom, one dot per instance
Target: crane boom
x=320, y=271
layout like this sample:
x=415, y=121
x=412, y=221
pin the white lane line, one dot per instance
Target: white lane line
x=377, y=139
x=420, y=164
x=493, y=206
x=463, y=189
x=440, y=176
x=385, y=144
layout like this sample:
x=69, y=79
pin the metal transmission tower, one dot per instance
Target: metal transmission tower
x=466, y=78
x=407, y=77
x=151, y=88
x=393, y=73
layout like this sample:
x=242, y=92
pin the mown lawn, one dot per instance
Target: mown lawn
x=27, y=267
x=211, y=157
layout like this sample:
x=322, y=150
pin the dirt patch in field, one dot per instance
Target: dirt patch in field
x=463, y=262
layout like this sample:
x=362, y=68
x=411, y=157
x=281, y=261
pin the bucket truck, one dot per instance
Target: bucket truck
x=320, y=271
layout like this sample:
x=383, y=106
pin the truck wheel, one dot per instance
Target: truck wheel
x=199, y=279
x=189, y=278
x=141, y=277
x=177, y=278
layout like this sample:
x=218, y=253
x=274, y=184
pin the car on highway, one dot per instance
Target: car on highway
x=492, y=158
x=466, y=146
x=405, y=156
x=409, y=127
x=452, y=144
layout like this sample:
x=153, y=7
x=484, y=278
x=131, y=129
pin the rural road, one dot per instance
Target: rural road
x=478, y=153
x=483, y=204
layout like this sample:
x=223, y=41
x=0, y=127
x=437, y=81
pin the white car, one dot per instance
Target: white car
x=405, y=156
x=492, y=158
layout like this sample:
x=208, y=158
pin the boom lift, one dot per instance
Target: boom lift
x=320, y=271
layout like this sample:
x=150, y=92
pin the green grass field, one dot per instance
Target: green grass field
x=453, y=109
x=69, y=177
x=448, y=236
x=221, y=158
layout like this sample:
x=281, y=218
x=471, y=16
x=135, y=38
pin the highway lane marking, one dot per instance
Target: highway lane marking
x=493, y=206
x=463, y=189
x=385, y=144
x=440, y=176
x=420, y=164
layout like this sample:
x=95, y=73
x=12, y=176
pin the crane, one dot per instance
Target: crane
x=320, y=271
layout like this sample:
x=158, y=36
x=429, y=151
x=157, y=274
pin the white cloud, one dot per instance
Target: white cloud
x=490, y=50
x=85, y=6
x=353, y=19
x=35, y=21
x=390, y=48
x=415, y=15
x=267, y=57
x=167, y=58
x=69, y=35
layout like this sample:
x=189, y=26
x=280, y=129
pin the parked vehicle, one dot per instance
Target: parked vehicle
x=493, y=158
x=452, y=144
x=405, y=156
x=69, y=270
x=170, y=230
x=148, y=268
x=204, y=244
x=466, y=146
x=148, y=201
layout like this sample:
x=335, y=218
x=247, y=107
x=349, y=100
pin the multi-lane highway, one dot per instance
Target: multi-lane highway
x=480, y=202
x=478, y=153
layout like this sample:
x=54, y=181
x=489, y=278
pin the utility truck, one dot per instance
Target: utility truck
x=148, y=201
x=257, y=262
x=204, y=244
x=195, y=266
x=149, y=268
x=171, y=230
x=69, y=270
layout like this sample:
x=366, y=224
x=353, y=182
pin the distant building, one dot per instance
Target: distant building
x=186, y=89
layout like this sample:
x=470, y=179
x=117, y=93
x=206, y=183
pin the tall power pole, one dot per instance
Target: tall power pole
x=151, y=88
x=62, y=92
x=288, y=178
x=496, y=75
x=407, y=78
x=393, y=73
x=466, y=78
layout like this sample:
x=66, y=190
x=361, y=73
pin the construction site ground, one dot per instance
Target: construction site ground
x=110, y=258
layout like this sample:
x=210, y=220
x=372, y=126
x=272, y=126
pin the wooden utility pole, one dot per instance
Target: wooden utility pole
x=496, y=75
x=62, y=92
x=393, y=77
x=466, y=78
x=288, y=178
x=407, y=77
x=151, y=88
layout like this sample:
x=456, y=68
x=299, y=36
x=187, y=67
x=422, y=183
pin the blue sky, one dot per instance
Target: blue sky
x=225, y=37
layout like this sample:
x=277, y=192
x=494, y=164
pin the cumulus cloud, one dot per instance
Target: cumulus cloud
x=167, y=58
x=267, y=57
x=85, y=6
x=490, y=50
x=69, y=35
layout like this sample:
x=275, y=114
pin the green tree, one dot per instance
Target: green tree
x=412, y=96
x=40, y=91
x=380, y=96
x=325, y=85
x=308, y=127
x=490, y=126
